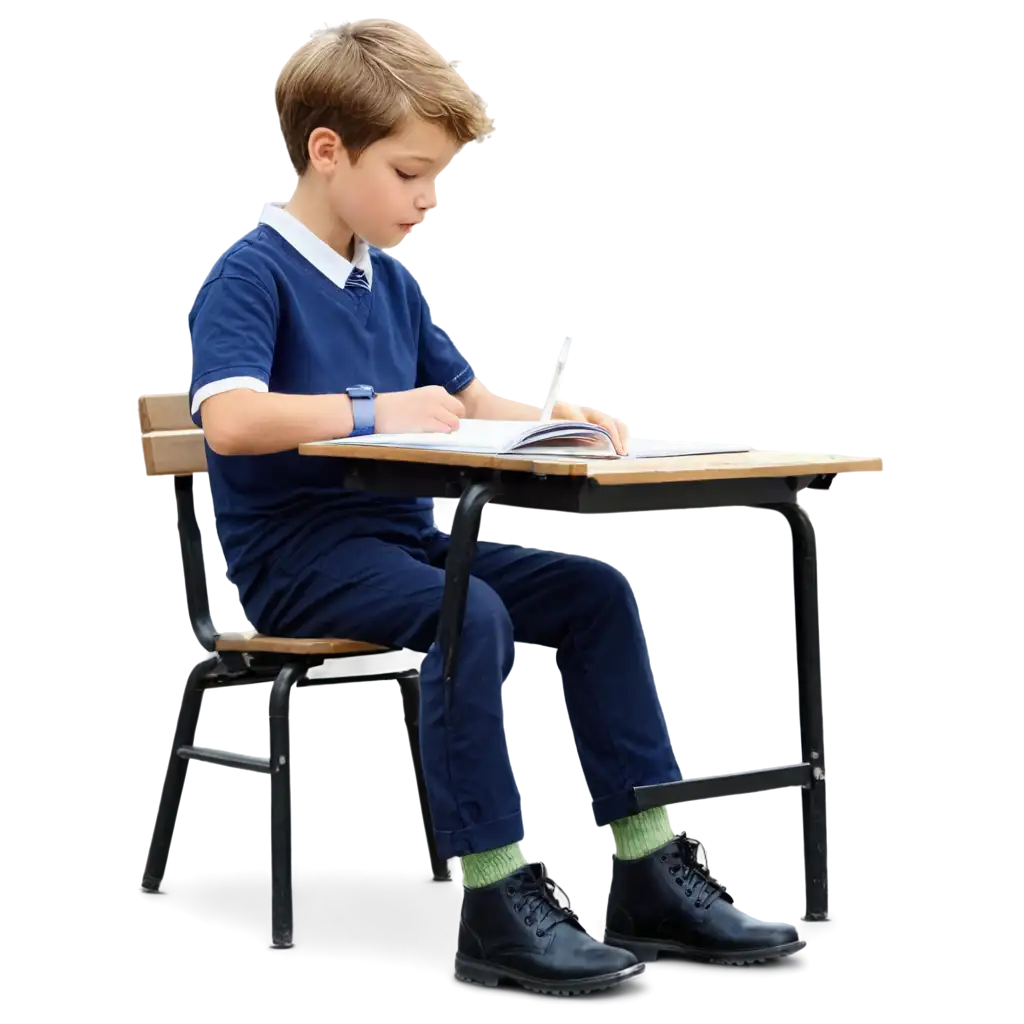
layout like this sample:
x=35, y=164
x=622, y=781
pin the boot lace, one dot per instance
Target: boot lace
x=695, y=875
x=538, y=897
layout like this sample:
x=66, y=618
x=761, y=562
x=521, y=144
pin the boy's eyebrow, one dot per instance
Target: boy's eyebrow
x=415, y=156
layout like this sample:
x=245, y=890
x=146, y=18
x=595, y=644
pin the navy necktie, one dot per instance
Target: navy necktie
x=357, y=279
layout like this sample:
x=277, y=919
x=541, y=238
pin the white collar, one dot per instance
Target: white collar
x=313, y=248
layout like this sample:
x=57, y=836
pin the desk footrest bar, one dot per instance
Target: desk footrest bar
x=244, y=761
x=722, y=785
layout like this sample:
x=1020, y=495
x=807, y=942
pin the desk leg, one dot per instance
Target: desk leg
x=808, y=660
x=461, y=551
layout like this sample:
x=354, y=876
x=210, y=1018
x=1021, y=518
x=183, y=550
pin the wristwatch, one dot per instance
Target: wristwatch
x=362, y=408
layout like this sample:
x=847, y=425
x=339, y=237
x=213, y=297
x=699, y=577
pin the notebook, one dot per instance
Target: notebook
x=554, y=438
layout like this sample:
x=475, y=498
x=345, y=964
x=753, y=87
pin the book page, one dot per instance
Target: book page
x=472, y=435
x=582, y=446
x=490, y=436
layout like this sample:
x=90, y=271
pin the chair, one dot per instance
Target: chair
x=169, y=446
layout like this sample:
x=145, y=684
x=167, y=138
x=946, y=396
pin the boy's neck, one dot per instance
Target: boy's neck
x=310, y=209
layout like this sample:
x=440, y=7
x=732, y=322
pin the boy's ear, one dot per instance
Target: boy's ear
x=324, y=148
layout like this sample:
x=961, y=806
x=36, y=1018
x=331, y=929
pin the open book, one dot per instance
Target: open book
x=556, y=438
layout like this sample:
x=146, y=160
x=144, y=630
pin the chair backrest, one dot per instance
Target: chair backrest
x=173, y=444
x=167, y=442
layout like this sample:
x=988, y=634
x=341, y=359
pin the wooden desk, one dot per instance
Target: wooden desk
x=760, y=479
x=755, y=463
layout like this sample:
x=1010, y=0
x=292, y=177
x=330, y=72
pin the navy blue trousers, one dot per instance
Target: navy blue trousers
x=387, y=592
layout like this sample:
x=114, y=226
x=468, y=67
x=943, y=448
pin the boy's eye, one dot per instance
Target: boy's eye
x=404, y=177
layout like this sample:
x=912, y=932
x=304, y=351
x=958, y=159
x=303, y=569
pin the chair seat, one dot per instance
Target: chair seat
x=253, y=641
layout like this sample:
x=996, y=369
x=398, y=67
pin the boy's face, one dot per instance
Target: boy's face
x=392, y=185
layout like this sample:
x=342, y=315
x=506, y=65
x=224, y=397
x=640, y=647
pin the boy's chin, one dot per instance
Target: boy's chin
x=399, y=240
x=387, y=241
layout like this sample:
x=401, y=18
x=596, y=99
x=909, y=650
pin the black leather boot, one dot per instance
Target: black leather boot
x=667, y=902
x=515, y=930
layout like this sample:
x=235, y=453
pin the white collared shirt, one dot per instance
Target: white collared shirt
x=328, y=261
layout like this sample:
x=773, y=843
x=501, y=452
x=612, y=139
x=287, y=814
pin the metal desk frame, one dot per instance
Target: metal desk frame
x=476, y=487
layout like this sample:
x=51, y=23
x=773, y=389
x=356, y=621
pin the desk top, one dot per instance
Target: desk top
x=610, y=472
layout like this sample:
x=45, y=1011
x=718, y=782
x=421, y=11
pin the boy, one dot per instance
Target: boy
x=306, y=330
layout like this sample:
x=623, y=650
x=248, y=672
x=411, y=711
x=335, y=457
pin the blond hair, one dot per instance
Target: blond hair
x=364, y=80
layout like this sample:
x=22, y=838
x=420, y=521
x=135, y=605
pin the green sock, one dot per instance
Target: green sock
x=641, y=834
x=484, y=868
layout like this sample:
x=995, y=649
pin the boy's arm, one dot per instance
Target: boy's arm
x=482, y=404
x=234, y=324
x=244, y=422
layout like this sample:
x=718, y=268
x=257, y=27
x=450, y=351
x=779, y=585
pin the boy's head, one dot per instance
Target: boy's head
x=371, y=114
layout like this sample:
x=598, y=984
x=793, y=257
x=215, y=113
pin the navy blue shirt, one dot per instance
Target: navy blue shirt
x=274, y=314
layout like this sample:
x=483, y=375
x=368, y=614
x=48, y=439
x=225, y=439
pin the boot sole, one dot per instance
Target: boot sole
x=647, y=950
x=467, y=969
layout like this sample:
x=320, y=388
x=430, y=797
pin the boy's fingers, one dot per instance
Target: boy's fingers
x=449, y=421
x=624, y=435
x=611, y=426
x=454, y=405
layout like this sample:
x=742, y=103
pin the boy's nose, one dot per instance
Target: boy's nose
x=428, y=200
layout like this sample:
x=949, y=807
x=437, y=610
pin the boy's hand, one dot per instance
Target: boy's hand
x=581, y=413
x=421, y=409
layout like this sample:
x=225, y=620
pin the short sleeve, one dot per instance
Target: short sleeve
x=233, y=323
x=438, y=361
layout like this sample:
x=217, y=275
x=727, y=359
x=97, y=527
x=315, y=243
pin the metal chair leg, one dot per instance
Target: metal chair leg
x=174, y=780
x=281, y=805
